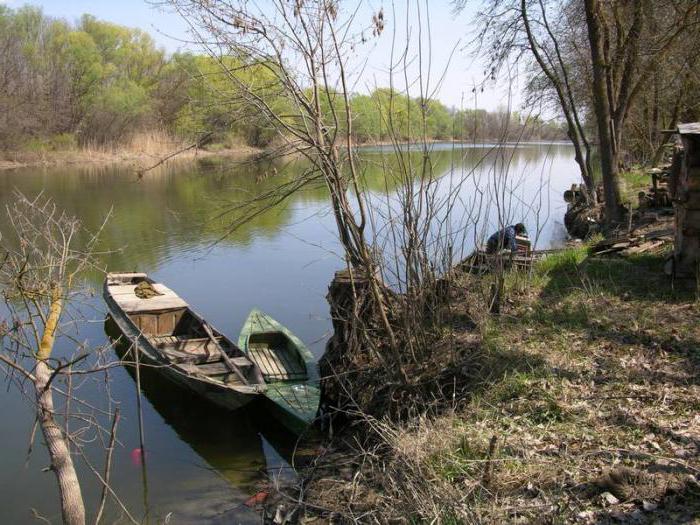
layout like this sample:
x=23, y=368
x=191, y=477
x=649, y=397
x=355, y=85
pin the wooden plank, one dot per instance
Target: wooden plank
x=291, y=365
x=690, y=128
x=644, y=247
x=668, y=232
x=212, y=369
x=229, y=362
x=148, y=324
x=219, y=367
x=276, y=363
x=268, y=362
x=124, y=277
x=150, y=305
x=125, y=297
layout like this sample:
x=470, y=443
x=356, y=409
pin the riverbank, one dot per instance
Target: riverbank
x=142, y=152
x=148, y=149
x=580, y=406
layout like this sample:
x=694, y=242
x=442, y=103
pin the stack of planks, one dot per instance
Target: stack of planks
x=634, y=245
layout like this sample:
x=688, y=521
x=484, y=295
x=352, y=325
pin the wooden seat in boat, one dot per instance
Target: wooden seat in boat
x=276, y=360
x=182, y=349
x=184, y=343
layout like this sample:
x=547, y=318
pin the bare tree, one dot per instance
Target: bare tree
x=43, y=259
x=513, y=29
x=603, y=111
x=304, y=46
x=597, y=57
x=626, y=49
x=400, y=244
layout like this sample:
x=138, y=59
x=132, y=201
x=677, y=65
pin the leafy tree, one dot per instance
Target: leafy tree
x=99, y=82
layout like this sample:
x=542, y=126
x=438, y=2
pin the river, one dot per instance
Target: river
x=201, y=463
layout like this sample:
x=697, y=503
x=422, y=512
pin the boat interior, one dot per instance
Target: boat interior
x=276, y=356
x=180, y=335
x=182, y=332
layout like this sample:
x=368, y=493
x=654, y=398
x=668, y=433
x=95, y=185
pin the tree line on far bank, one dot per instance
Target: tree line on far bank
x=95, y=83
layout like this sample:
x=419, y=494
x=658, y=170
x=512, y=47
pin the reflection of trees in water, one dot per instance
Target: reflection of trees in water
x=518, y=177
x=170, y=208
x=180, y=206
x=380, y=163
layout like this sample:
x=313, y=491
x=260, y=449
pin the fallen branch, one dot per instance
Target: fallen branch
x=194, y=145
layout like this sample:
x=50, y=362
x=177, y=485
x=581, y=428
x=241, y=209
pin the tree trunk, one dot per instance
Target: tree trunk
x=562, y=88
x=72, y=507
x=601, y=102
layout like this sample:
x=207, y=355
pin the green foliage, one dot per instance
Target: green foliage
x=385, y=114
x=116, y=109
x=101, y=82
x=564, y=261
x=366, y=120
x=214, y=104
x=95, y=80
x=632, y=182
x=79, y=54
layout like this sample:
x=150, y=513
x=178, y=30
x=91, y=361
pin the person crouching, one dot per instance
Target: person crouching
x=506, y=239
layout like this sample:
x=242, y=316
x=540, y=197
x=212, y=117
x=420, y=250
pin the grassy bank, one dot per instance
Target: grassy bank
x=583, y=409
x=141, y=150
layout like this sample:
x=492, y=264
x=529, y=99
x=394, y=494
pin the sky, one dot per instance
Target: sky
x=450, y=36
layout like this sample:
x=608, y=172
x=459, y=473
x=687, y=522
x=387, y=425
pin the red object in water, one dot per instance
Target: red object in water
x=256, y=499
x=137, y=457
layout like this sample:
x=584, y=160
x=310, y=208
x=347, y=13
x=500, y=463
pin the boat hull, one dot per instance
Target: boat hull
x=296, y=417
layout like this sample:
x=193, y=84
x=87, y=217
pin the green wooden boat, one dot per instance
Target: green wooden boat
x=288, y=367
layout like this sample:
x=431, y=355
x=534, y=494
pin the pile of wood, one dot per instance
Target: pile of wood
x=634, y=245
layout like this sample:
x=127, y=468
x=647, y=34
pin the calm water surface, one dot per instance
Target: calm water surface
x=202, y=464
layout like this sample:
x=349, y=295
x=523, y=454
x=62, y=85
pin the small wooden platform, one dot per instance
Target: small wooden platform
x=125, y=297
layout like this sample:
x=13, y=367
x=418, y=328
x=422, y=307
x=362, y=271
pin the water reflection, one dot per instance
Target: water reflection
x=182, y=208
x=243, y=448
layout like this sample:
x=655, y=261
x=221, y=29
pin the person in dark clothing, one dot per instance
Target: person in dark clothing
x=505, y=238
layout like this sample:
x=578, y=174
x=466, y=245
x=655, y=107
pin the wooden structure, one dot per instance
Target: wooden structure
x=168, y=335
x=685, y=186
x=288, y=367
x=634, y=245
x=657, y=196
x=523, y=245
x=481, y=261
